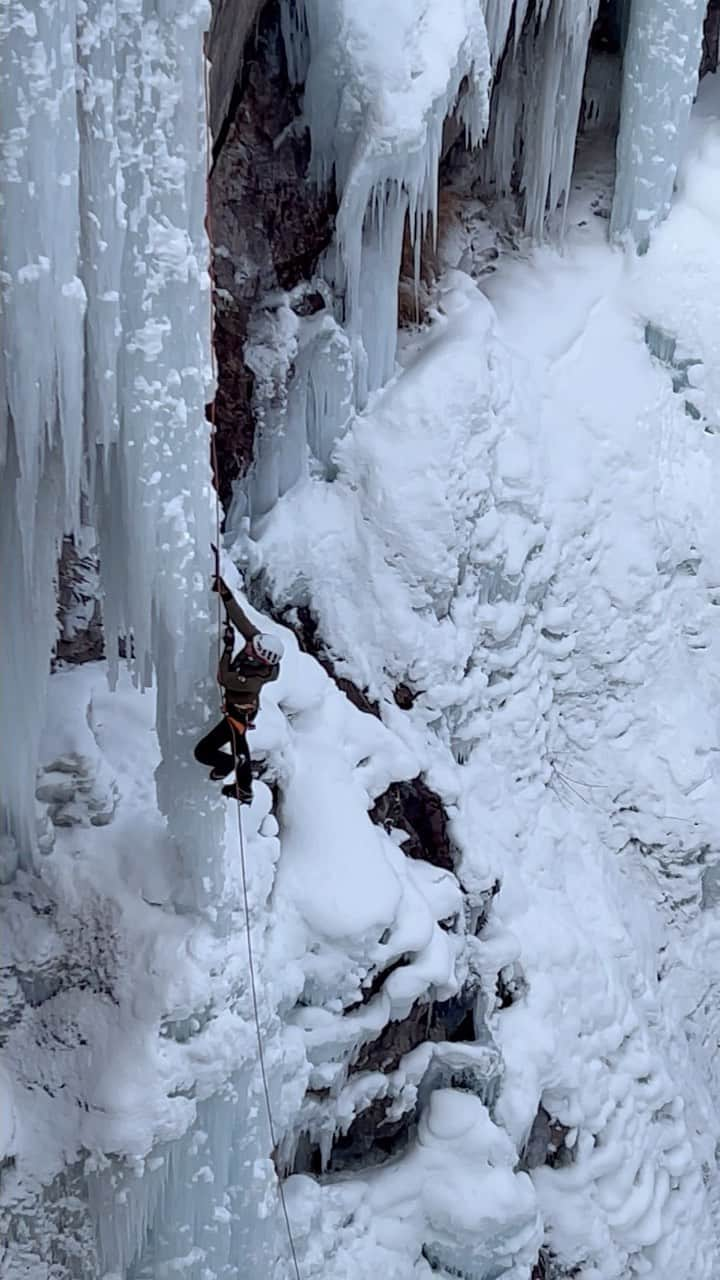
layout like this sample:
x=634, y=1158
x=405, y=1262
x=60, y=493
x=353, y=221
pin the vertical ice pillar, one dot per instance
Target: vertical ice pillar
x=104, y=366
x=42, y=306
x=152, y=490
x=660, y=73
x=536, y=107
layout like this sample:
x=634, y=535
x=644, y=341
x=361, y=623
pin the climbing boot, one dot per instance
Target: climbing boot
x=217, y=775
x=243, y=794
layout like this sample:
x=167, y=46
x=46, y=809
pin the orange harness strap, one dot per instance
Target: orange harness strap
x=240, y=725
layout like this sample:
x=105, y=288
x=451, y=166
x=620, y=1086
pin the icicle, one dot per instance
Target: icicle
x=41, y=404
x=356, y=136
x=536, y=106
x=104, y=171
x=498, y=14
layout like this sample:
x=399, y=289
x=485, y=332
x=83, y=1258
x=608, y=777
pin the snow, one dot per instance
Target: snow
x=521, y=529
x=530, y=546
x=381, y=84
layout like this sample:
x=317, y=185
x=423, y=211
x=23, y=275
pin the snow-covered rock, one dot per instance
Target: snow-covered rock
x=446, y=990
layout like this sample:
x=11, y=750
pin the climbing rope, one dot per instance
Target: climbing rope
x=241, y=837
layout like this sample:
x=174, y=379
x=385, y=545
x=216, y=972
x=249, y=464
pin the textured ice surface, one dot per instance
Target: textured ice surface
x=385, y=90
x=536, y=106
x=379, y=83
x=104, y=367
x=661, y=61
x=532, y=549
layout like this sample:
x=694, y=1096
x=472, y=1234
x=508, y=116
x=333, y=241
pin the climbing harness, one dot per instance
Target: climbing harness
x=234, y=724
x=238, y=726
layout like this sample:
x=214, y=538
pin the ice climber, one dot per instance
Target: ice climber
x=242, y=679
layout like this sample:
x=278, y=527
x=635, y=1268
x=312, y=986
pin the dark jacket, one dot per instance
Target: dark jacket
x=243, y=677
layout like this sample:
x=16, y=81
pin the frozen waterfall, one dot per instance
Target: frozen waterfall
x=660, y=74
x=379, y=85
x=489, y=1030
x=104, y=370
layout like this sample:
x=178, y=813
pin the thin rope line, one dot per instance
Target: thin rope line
x=256, y=1013
x=243, y=863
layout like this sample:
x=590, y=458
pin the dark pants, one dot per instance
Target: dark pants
x=208, y=751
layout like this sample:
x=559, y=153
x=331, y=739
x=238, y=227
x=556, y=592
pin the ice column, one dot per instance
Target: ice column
x=41, y=393
x=536, y=106
x=660, y=73
x=104, y=369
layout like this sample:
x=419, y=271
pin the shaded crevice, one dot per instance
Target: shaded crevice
x=711, y=39
x=303, y=623
x=546, y=1144
x=548, y=1267
x=608, y=33
x=267, y=223
x=434, y=1022
x=413, y=807
x=378, y=982
x=511, y=985
x=372, y=1139
x=80, y=629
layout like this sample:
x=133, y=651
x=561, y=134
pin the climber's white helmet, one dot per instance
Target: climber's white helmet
x=269, y=648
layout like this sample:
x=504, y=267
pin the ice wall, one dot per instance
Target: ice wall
x=536, y=105
x=104, y=370
x=379, y=83
x=660, y=74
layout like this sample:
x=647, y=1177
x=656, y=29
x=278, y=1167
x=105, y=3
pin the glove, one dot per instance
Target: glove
x=229, y=636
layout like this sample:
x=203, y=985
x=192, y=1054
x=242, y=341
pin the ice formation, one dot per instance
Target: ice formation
x=379, y=83
x=661, y=61
x=480, y=1068
x=512, y=567
x=379, y=90
x=537, y=104
x=103, y=263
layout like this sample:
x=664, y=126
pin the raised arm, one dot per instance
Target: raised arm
x=236, y=614
x=229, y=679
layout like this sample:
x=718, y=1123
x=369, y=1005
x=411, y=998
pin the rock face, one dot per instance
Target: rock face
x=268, y=225
x=413, y=807
x=80, y=634
x=711, y=39
x=232, y=24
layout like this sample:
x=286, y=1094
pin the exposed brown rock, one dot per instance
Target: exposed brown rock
x=267, y=223
x=404, y=697
x=230, y=29
x=435, y=1022
x=415, y=808
x=547, y=1267
x=414, y=298
x=372, y=1139
x=546, y=1143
